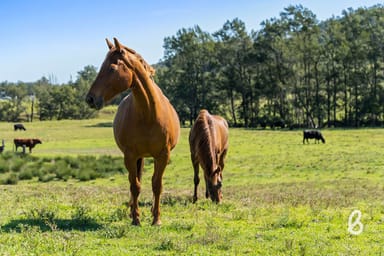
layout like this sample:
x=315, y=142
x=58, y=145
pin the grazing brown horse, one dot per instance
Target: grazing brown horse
x=208, y=141
x=145, y=125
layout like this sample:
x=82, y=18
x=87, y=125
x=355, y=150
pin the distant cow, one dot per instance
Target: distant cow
x=30, y=143
x=313, y=134
x=2, y=147
x=19, y=127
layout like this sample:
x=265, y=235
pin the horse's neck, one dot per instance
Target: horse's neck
x=146, y=95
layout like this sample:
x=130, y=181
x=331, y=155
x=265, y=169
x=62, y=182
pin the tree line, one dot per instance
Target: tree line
x=47, y=101
x=294, y=71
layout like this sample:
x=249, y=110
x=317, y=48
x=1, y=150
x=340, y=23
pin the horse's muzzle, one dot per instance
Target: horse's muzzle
x=93, y=102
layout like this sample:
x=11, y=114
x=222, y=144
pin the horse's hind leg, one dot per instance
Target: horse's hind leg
x=157, y=185
x=196, y=178
x=134, y=180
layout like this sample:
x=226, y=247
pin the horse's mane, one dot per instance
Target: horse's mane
x=150, y=70
x=204, y=139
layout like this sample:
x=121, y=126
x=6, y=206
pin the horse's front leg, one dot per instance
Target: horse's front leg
x=196, y=178
x=134, y=175
x=222, y=158
x=157, y=185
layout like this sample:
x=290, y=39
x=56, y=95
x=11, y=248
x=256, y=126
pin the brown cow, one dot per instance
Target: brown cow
x=30, y=143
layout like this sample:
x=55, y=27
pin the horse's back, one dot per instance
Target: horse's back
x=222, y=123
x=205, y=122
x=222, y=131
x=169, y=120
x=173, y=126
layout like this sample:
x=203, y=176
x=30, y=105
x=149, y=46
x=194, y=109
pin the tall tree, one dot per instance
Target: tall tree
x=236, y=47
x=304, y=48
x=274, y=70
x=188, y=57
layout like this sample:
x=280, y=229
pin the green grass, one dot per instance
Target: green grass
x=66, y=137
x=280, y=198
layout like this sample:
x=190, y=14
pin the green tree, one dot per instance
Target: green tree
x=303, y=46
x=80, y=89
x=188, y=60
x=235, y=50
x=274, y=71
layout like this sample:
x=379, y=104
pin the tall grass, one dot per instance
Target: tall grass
x=18, y=166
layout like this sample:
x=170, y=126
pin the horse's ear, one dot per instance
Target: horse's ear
x=117, y=44
x=110, y=45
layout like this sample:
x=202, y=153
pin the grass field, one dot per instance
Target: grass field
x=280, y=198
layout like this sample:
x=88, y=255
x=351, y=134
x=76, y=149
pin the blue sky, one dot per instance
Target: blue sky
x=57, y=39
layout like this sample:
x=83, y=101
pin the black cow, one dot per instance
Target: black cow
x=19, y=127
x=313, y=134
x=2, y=147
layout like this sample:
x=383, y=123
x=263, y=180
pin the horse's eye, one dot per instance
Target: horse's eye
x=112, y=68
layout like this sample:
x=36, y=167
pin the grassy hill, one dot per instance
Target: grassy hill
x=280, y=197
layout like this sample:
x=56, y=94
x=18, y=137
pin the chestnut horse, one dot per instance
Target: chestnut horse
x=208, y=141
x=145, y=125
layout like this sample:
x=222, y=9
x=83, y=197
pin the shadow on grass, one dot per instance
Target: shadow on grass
x=52, y=225
x=166, y=199
x=98, y=125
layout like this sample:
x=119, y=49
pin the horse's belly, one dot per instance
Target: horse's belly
x=138, y=140
x=146, y=144
x=145, y=138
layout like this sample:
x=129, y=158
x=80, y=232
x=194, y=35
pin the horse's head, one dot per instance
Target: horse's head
x=116, y=74
x=214, y=185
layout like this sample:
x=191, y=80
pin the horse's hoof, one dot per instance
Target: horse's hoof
x=156, y=222
x=136, y=222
